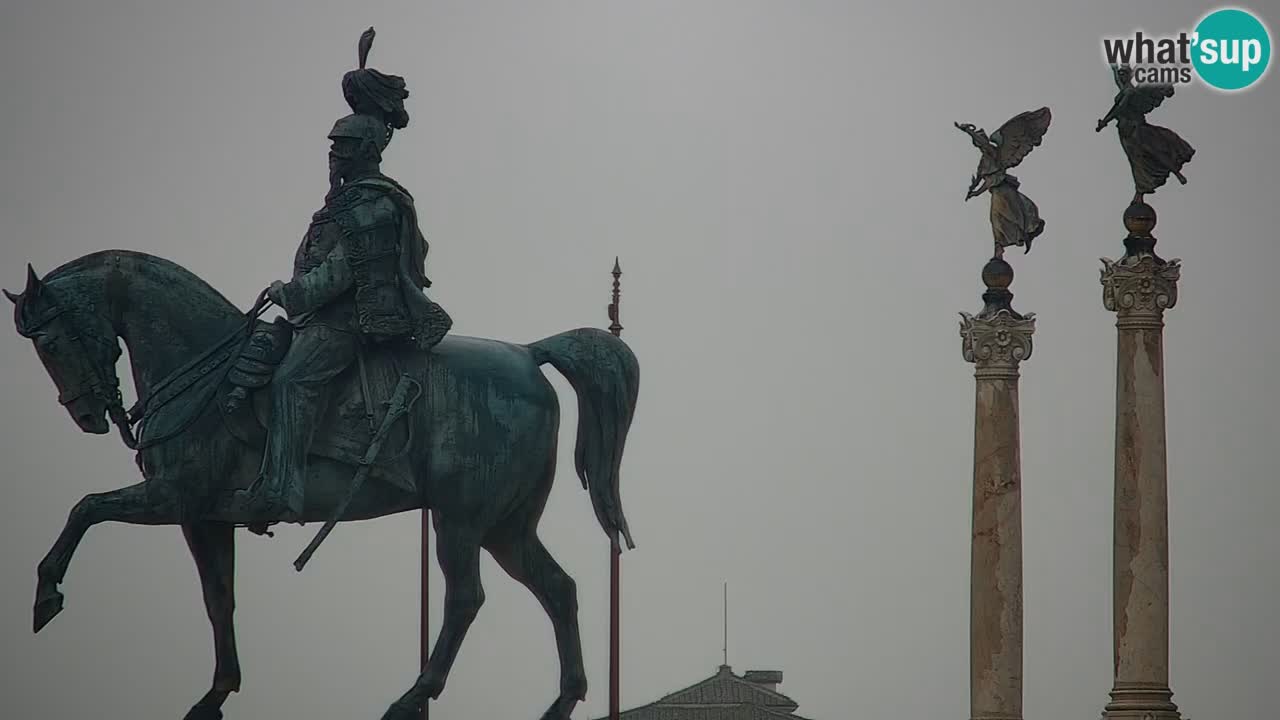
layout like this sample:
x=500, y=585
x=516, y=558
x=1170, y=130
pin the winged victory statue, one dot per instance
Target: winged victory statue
x=1015, y=219
x=1154, y=152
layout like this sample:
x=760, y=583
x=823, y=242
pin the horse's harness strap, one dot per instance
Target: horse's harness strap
x=168, y=389
x=107, y=390
x=176, y=383
x=29, y=329
x=106, y=387
x=177, y=390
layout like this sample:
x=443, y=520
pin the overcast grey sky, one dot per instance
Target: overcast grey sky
x=784, y=186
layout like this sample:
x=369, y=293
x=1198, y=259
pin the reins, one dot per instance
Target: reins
x=163, y=393
x=106, y=387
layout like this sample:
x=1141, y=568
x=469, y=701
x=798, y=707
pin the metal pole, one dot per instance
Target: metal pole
x=425, y=640
x=615, y=553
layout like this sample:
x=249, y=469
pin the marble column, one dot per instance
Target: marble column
x=996, y=340
x=1139, y=288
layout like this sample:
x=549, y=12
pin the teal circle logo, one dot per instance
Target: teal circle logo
x=1232, y=49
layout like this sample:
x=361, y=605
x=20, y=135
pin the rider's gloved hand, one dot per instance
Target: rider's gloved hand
x=276, y=293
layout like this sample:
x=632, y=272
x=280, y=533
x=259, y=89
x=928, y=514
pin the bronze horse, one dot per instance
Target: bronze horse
x=479, y=450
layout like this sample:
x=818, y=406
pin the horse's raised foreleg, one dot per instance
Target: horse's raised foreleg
x=213, y=547
x=458, y=550
x=131, y=505
x=529, y=563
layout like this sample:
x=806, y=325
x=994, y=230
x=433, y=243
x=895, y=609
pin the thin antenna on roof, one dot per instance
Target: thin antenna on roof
x=726, y=623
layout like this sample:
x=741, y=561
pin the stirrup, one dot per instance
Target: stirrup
x=255, y=491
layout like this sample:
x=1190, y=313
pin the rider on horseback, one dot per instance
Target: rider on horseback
x=358, y=278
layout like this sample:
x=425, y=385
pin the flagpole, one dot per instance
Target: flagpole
x=615, y=552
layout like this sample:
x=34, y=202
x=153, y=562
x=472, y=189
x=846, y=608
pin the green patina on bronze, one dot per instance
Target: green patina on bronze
x=242, y=422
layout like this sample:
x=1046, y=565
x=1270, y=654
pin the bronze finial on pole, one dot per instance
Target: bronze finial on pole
x=614, y=327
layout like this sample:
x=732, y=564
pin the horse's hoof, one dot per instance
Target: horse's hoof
x=48, y=605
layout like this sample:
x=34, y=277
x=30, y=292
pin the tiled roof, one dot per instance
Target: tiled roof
x=725, y=688
x=723, y=696
x=743, y=711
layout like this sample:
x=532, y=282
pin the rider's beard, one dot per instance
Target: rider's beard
x=335, y=175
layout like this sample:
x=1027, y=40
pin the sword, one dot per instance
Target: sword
x=399, y=405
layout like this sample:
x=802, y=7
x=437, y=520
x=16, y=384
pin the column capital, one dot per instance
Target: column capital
x=996, y=342
x=1140, y=287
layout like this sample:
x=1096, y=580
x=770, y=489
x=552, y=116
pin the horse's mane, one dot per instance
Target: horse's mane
x=92, y=274
x=142, y=264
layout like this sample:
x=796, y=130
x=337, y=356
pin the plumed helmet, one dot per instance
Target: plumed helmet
x=374, y=93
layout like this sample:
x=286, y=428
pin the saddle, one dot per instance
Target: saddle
x=350, y=422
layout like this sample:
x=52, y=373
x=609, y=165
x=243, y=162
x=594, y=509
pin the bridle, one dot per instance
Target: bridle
x=104, y=385
x=101, y=384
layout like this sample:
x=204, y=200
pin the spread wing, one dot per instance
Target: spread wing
x=1145, y=98
x=1020, y=135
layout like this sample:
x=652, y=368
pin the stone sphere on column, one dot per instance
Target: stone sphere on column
x=1140, y=218
x=997, y=274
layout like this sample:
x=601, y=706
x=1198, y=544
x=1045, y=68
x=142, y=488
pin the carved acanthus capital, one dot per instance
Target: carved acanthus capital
x=1140, y=286
x=998, y=341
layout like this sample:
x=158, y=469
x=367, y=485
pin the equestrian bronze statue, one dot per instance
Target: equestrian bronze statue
x=358, y=403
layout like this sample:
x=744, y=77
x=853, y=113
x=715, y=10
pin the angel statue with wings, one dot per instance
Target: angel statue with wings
x=1015, y=219
x=1154, y=152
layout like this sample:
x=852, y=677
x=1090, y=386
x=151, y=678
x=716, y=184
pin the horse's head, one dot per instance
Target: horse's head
x=78, y=348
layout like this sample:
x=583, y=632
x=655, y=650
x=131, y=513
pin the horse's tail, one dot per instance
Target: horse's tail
x=606, y=377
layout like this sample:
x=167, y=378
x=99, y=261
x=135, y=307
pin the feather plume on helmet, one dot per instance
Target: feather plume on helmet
x=376, y=94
